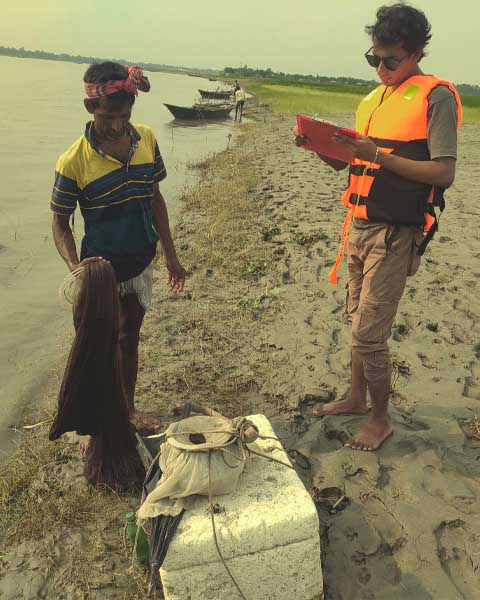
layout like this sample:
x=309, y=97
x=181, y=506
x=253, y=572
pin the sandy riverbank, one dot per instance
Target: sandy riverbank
x=260, y=329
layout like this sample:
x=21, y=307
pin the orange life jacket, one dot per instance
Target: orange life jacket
x=397, y=121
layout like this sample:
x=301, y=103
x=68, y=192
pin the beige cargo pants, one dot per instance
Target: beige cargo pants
x=379, y=261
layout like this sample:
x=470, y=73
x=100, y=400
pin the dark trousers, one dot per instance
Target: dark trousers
x=239, y=110
x=131, y=319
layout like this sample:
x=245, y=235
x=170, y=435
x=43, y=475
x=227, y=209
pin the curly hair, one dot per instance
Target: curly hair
x=401, y=24
x=109, y=71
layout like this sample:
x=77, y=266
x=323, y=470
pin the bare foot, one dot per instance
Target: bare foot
x=84, y=443
x=145, y=421
x=341, y=407
x=371, y=436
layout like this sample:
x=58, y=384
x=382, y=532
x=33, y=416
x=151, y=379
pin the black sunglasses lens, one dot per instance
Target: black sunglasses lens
x=373, y=60
x=390, y=63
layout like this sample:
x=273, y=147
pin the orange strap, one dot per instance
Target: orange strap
x=429, y=221
x=347, y=225
x=332, y=276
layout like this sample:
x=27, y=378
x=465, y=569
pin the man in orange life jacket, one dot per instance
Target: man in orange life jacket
x=405, y=157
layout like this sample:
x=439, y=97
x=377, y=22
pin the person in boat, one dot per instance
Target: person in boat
x=113, y=172
x=404, y=158
x=236, y=86
x=239, y=104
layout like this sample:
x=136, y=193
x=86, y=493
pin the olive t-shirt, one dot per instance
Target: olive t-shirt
x=441, y=133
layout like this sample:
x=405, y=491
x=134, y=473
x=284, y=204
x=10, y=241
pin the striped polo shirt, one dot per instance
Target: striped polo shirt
x=114, y=198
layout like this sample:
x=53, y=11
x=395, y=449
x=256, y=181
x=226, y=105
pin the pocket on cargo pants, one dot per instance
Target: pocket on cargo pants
x=372, y=328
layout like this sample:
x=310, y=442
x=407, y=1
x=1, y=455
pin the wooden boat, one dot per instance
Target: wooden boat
x=201, y=111
x=217, y=95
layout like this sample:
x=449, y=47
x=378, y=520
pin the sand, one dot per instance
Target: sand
x=407, y=518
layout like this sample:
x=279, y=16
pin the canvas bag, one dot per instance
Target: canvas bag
x=187, y=465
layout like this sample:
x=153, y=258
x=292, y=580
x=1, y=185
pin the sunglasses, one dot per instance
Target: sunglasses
x=390, y=62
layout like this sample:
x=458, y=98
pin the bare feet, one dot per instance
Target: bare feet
x=143, y=420
x=342, y=407
x=371, y=436
x=84, y=443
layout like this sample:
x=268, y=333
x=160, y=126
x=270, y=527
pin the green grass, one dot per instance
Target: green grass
x=296, y=97
x=470, y=101
x=471, y=115
x=471, y=108
x=305, y=99
x=323, y=87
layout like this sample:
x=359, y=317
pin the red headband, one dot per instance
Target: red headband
x=135, y=81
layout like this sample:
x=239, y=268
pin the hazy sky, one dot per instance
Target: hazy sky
x=304, y=36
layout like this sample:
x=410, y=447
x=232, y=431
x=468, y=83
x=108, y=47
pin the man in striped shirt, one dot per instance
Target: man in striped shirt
x=112, y=173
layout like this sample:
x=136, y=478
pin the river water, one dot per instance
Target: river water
x=41, y=115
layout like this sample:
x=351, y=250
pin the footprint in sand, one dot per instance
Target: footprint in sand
x=333, y=430
x=400, y=331
x=447, y=486
x=385, y=523
x=402, y=402
x=411, y=291
x=427, y=362
x=405, y=447
x=471, y=388
x=335, y=336
x=457, y=547
x=476, y=350
x=413, y=424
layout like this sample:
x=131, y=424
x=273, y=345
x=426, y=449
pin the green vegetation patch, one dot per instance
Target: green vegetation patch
x=295, y=97
x=305, y=99
x=306, y=238
x=255, y=267
x=269, y=231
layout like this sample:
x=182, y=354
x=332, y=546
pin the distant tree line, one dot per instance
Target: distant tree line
x=466, y=88
x=230, y=72
x=238, y=72
x=22, y=53
x=300, y=77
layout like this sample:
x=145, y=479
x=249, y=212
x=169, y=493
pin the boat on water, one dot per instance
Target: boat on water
x=216, y=95
x=200, y=111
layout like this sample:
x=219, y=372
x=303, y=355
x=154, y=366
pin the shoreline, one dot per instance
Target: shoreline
x=259, y=329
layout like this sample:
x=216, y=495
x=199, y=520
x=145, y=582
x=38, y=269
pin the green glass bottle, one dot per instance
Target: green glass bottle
x=142, y=549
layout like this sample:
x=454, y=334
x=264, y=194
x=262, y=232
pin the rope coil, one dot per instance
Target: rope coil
x=66, y=290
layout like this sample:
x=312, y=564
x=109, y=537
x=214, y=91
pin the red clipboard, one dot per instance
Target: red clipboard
x=319, y=136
